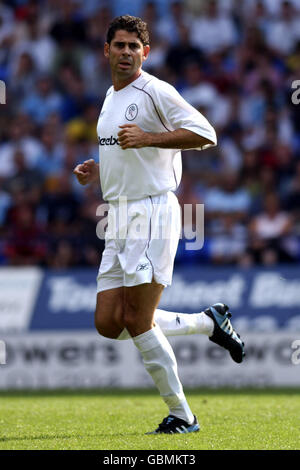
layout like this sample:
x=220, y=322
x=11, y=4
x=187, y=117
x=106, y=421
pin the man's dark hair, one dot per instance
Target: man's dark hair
x=132, y=24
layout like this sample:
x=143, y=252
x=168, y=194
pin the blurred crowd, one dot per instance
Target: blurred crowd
x=235, y=61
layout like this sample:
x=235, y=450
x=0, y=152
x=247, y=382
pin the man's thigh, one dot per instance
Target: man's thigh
x=110, y=274
x=110, y=312
x=140, y=303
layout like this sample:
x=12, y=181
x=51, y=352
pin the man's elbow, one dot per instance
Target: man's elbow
x=208, y=142
x=211, y=141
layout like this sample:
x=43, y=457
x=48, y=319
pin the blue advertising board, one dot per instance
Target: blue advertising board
x=260, y=299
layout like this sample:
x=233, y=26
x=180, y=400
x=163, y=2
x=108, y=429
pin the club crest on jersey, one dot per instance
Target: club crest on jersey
x=131, y=112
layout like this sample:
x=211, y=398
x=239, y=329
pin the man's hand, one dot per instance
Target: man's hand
x=132, y=137
x=87, y=172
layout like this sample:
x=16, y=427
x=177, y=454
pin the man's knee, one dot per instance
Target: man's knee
x=130, y=319
x=130, y=314
x=107, y=329
x=109, y=325
x=108, y=314
x=135, y=322
x=140, y=303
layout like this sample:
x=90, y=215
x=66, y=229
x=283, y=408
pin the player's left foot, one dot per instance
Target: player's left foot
x=224, y=335
x=173, y=425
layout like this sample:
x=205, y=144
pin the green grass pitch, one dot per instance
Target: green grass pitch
x=110, y=420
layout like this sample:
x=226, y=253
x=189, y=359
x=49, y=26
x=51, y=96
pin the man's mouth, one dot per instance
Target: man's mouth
x=124, y=64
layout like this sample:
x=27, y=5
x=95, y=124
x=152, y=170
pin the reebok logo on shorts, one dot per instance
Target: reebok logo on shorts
x=108, y=140
x=142, y=267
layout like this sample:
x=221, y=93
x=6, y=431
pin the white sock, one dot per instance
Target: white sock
x=176, y=324
x=160, y=363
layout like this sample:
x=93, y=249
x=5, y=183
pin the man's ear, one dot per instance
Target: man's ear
x=146, y=52
x=106, y=50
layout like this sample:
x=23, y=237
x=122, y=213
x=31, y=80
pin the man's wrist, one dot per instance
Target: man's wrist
x=96, y=173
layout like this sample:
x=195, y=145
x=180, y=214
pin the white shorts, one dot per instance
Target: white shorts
x=140, y=242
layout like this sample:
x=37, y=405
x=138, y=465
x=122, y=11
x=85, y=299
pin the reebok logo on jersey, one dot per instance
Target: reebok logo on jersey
x=108, y=140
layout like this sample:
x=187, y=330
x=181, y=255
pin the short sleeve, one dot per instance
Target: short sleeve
x=176, y=113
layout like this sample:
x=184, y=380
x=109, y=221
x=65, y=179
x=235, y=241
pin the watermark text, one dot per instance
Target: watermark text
x=296, y=94
x=295, y=358
x=138, y=221
x=2, y=92
x=2, y=352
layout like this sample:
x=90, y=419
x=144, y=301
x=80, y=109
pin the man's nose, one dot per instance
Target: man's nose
x=126, y=50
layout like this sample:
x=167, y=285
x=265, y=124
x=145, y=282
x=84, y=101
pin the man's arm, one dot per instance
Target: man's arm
x=87, y=172
x=131, y=136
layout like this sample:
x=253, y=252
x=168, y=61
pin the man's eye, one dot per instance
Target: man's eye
x=121, y=45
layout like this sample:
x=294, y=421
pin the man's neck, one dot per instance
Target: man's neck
x=119, y=84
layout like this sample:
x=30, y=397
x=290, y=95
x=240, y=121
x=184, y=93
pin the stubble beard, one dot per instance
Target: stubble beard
x=123, y=75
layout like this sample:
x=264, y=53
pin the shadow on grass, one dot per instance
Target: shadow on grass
x=107, y=392
x=33, y=438
x=64, y=436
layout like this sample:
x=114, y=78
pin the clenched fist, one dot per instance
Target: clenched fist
x=131, y=136
x=87, y=172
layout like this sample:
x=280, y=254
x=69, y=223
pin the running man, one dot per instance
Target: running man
x=143, y=126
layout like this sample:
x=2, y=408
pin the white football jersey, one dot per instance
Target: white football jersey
x=154, y=106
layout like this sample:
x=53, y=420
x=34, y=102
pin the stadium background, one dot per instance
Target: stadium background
x=236, y=62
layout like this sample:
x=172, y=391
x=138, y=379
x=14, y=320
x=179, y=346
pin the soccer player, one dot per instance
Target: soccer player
x=143, y=125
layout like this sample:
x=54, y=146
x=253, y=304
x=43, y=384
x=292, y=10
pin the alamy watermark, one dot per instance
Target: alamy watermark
x=2, y=352
x=139, y=221
x=295, y=358
x=296, y=94
x=2, y=92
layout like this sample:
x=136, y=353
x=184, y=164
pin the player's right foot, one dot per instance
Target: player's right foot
x=224, y=335
x=173, y=425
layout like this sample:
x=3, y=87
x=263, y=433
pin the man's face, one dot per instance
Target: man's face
x=126, y=54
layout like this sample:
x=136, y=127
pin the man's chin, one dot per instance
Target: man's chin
x=126, y=74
